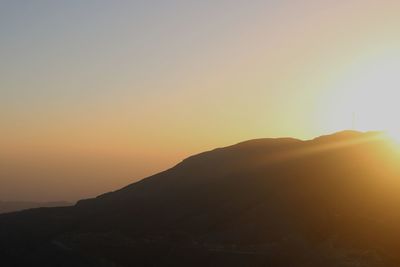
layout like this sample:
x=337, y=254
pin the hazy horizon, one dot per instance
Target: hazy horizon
x=96, y=95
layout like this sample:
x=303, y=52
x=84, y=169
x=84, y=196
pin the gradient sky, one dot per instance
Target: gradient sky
x=97, y=94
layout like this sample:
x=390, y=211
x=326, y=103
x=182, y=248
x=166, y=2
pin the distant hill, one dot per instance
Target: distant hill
x=11, y=206
x=332, y=201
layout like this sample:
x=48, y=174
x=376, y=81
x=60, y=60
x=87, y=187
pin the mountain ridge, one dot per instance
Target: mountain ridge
x=266, y=143
x=14, y=206
x=259, y=202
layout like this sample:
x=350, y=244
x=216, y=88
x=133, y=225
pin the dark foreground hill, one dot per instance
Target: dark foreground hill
x=331, y=201
x=10, y=206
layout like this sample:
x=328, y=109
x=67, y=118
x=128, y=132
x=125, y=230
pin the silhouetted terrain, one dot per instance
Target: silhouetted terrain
x=10, y=206
x=331, y=201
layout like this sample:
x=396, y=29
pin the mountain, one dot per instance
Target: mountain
x=10, y=206
x=330, y=201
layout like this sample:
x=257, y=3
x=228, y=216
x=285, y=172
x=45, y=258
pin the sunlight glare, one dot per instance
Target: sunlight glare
x=366, y=97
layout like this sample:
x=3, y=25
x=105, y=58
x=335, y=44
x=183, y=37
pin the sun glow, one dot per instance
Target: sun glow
x=367, y=97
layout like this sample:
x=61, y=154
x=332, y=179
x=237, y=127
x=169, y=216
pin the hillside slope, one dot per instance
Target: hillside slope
x=12, y=206
x=331, y=201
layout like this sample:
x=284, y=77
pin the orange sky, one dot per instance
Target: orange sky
x=94, y=96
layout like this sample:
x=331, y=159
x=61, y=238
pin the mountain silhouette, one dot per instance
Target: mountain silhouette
x=10, y=206
x=330, y=201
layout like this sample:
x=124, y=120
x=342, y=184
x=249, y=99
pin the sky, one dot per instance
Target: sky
x=95, y=95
